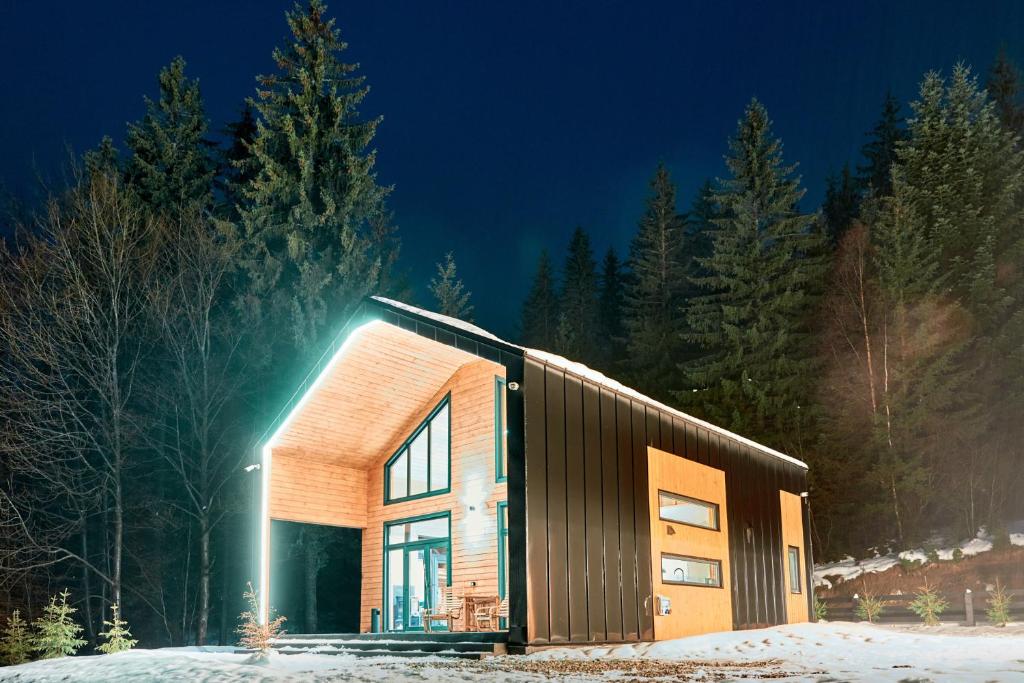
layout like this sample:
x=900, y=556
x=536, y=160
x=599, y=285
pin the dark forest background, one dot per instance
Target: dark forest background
x=159, y=307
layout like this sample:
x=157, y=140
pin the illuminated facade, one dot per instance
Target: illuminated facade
x=497, y=471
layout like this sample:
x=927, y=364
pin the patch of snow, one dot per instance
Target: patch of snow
x=798, y=652
x=1017, y=539
x=587, y=373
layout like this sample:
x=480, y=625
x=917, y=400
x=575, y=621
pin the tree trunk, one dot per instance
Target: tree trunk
x=204, y=579
x=115, y=583
x=90, y=627
x=311, y=548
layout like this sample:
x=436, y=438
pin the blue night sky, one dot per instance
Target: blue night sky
x=507, y=124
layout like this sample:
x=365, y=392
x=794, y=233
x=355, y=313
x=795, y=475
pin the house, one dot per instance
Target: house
x=507, y=472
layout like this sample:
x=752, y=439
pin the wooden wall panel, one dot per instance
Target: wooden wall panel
x=695, y=609
x=306, y=490
x=627, y=518
x=474, y=541
x=610, y=513
x=792, y=521
x=596, y=586
x=535, y=438
x=558, y=556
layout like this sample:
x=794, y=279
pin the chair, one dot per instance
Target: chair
x=491, y=615
x=448, y=611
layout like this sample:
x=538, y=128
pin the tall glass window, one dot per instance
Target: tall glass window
x=421, y=466
x=794, y=569
x=500, y=456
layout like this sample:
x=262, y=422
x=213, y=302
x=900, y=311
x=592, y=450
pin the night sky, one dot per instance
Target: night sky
x=506, y=124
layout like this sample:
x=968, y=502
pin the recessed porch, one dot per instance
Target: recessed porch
x=402, y=438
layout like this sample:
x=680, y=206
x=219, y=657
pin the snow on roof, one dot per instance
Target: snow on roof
x=587, y=373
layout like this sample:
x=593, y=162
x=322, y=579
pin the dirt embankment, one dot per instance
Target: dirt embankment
x=985, y=569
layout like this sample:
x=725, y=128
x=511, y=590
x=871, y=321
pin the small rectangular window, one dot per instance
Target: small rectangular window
x=794, y=569
x=691, y=571
x=673, y=507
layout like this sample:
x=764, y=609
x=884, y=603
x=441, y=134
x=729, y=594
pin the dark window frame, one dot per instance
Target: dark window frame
x=693, y=558
x=423, y=426
x=691, y=499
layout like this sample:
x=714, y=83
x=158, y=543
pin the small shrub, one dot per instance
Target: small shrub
x=56, y=632
x=958, y=554
x=907, y=564
x=15, y=644
x=253, y=634
x=998, y=611
x=869, y=608
x=1001, y=539
x=929, y=605
x=820, y=610
x=117, y=637
x=932, y=555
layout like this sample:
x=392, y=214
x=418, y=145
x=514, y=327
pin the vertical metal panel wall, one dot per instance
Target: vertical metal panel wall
x=588, y=529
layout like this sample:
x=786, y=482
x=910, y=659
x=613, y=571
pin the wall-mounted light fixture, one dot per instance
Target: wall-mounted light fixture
x=513, y=386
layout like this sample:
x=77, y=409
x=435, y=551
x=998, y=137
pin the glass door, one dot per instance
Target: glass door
x=417, y=556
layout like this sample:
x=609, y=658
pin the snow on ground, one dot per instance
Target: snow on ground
x=849, y=568
x=837, y=651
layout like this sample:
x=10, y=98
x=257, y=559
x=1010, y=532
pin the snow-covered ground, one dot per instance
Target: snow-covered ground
x=848, y=568
x=804, y=652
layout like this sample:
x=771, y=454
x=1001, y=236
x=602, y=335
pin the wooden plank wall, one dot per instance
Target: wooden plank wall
x=588, y=564
x=474, y=534
x=303, y=489
x=695, y=609
x=793, y=535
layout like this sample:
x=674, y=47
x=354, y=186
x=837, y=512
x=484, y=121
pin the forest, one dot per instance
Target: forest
x=157, y=310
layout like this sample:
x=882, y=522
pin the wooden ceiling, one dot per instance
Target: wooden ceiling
x=381, y=378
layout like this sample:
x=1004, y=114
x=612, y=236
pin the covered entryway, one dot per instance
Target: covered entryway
x=401, y=437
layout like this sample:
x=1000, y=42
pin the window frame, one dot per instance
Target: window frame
x=424, y=426
x=691, y=499
x=500, y=473
x=718, y=563
x=794, y=576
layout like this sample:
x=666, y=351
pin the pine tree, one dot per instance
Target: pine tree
x=171, y=165
x=102, y=161
x=700, y=230
x=117, y=637
x=314, y=215
x=234, y=171
x=763, y=283
x=254, y=635
x=964, y=173
x=56, y=632
x=654, y=317
x=1003, y=88
x=578, y=328
x=842, y=203
x=449, y=292
x=16, y=642
x=880, y=151
x=540, y=316
x=611, y=310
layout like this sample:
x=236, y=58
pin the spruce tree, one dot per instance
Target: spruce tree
x=171, y=165
x=102, y=161
x=314, y=215
x=449, y=294
x=234, y=173
x=579, y=322
x=880, y=150
x=654, y=317
x=15, y=642
x=1004, y=90
x=700, y=229
x=56, y=632
x=841, y=205
x=117, y=637
x=540, y=315
x=762, y=286
x=611, y=309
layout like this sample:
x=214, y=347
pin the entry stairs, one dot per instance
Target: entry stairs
x=460, y=645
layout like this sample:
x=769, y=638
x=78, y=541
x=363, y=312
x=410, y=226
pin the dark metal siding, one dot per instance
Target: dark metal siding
x=588, y=521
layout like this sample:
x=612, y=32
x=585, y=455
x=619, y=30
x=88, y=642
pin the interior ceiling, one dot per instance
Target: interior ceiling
x=381, y=379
